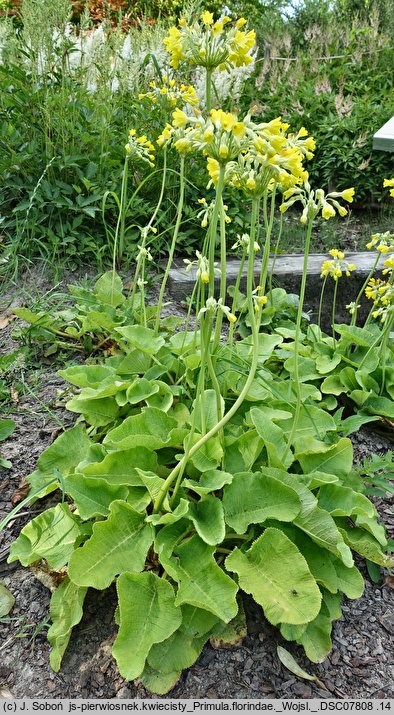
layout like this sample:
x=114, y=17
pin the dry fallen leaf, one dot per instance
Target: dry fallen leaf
x=5, y=320
x=49, y=578
x=5, y=693
x=390, y=581
x=14, y=394
x=20, y=492
x=291, y=664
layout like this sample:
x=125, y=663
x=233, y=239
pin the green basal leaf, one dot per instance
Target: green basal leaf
x=147, y=615
x=120, y=467
x=294, y=481
x=207, y=516
x=332, y=385
x=151, y=429
x=140, y=390
x=50, y=536
x=6, y=429
x=343, y=501
x=336, y=460
x=170, y=517
x=228, y=635
x=276, y=574
x=354, y=422
x=253, y=498
x=109, y=289
x=118, y=544
x=326, y=363
x=143, y=339
x=96, y=412
x=356, y=335
x=267, y=345
x=201, y=582
x=377, y=405
x=66, y=610
x=210, y=481
x=322, y=529
x=7, y=600
x=92, y=376
x=371, y=525
x=241, y=454
x=209, y=456
x=274, y=441
x=365, y=544
x=178, y=652
x=158, y=682
x=93, y=497
x=206, y=411
x=163, y=399
x=68, y=450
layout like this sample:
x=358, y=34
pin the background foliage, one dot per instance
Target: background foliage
x=70, y=76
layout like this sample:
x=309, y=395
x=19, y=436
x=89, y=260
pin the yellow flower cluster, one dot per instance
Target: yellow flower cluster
x=382, y=294
x=337, y=266
x=383, y=242
x=316, y=201
x=254, y=154
x=170, y=93
x=209, y=44
x=140, y=148
x=389, y=182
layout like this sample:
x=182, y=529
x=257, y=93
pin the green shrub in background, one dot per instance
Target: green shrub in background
x=330, y=69
x=69, y=95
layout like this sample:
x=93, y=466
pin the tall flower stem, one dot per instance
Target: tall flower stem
x=238, y=402
x=362, y=289
x=223, y=273
x=323, y=288
x=268, y=223
x=297, y=339
x=120, y=224
x=212, y=233
x=208, y=89
x=275, y=256
x=235, y=297
x=334, y=305
x=173, y=243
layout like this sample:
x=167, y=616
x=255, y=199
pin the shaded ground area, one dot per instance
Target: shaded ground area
x=361, y=663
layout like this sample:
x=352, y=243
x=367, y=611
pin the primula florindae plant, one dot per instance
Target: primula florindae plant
x=204, y=466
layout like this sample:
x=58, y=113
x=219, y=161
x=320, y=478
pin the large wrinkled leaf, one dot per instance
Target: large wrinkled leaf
x=142, y=338
x=147, y=615
x=109, y=289
x=206, y=410
x=68, y=450
x=277, y=575
x=97, y=412
x=93, y=497
x=274, y=440
x=118, y=544
x=158, y=682
x=50, y=536
x=119, y=467
x=322, y=529
x=240, y=455
x=366, y=545
x=151, y=429
x=88, y=375
x=337, y=460
x=66, y=611
x=208, y=518
x=202, y=582
x=343, y=501
x=210, y=481
x=253, y=498
x=328, y=570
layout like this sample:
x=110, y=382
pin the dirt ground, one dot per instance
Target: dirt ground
x=361, y=663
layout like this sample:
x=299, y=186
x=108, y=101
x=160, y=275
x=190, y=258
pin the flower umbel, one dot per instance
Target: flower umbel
x=337, y=266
